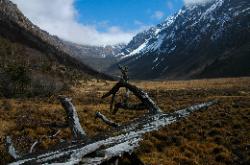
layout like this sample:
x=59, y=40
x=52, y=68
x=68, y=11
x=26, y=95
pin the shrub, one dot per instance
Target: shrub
x=44, y=85
x=14, y=80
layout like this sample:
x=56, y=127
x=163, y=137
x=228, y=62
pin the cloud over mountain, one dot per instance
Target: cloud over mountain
x=59, y=17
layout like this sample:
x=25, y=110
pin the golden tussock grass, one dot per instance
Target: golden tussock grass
x=218, y=135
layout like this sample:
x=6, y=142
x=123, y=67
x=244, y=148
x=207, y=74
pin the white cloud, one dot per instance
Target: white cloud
x=59, y=17
x=158, y=15
x=194, y=2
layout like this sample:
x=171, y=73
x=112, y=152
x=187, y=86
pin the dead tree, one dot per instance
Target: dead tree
x=124, y=104
x=120, y=141
x=147, y=102
x=124, y=77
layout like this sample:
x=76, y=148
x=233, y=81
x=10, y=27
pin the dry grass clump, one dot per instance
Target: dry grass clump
x=215, y=136
x=218, y=135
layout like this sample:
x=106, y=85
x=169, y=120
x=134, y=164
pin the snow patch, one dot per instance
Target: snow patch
x=136, y=51
x=210, y=10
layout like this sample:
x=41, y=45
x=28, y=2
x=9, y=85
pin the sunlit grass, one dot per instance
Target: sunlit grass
x=219, y=135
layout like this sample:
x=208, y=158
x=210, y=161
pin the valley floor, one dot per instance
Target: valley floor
x=218, y=135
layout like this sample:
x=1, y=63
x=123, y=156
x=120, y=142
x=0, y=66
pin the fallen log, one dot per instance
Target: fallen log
x=124, y=140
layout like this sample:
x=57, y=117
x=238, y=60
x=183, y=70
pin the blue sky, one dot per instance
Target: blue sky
x=99, y=22
x=127, y=14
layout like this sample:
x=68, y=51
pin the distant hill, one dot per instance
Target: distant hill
x=31, y=58
x=97, y=57
x=200, y=41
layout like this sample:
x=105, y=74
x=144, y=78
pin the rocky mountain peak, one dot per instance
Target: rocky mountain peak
x=202, y=32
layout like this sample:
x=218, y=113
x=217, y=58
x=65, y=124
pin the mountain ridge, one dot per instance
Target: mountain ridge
x=17, y=28
x=190, y=42
x=97, y=57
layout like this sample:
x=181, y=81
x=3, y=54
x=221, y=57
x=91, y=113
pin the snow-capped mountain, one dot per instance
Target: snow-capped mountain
x=206, y=40
x=135, y=43
x=105, y=51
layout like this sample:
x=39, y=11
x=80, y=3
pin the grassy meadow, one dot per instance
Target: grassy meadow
x=219, y=135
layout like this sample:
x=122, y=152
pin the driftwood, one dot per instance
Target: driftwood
x=121, y=141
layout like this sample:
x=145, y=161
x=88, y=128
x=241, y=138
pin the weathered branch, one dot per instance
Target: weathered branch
x=57, y=133
x=143, y=96
x=34, y=145
x=126, y=96
x=10, y=148
x=73, y=120
x=124, y=71
x=106, y=120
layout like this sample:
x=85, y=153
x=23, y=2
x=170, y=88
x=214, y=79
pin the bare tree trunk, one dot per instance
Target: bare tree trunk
x=73, y=120
x=112, y=102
